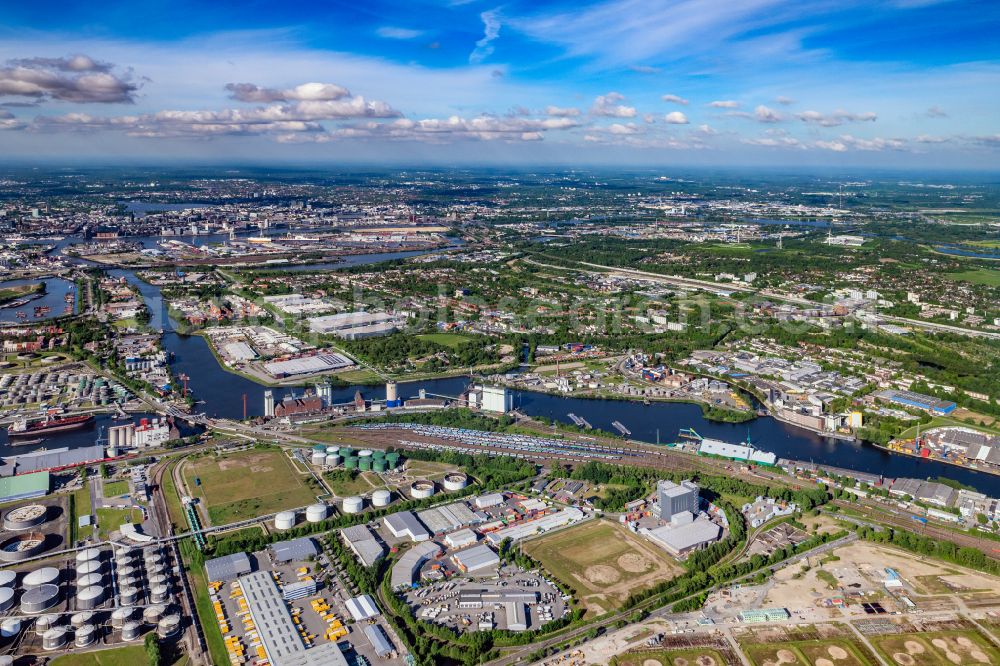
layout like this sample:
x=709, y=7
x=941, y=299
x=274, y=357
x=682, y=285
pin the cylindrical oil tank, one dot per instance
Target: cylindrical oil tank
x=90, y=598
x=365, y=464
x=87, y=555
x=365, y=453
x=86, y=635
x=284, y=520
x=378, y=454
x=124, y=551
x=316, y=513
x=45, y=622
x=156, y=570
x=455, y=481
x=131, y=631
x=319, y=458
x=54, y=639
x=121, y=615
x=92, y=566
x=321, y=448
x=10, y=627
x=153, y=614
x=6, y=599
x=89, y=580
x=7, y=578
x=168, y=626
x=152, y=557
x=131, y=595
x=391, y=394
x=39, y=599
x=333, y=460
x=378, y=465
x=346, y=452
x=331, y=449
x=392, y=460
x=129, y=572
x=422, y=489
x=6, y=660
x=25, y=517
x=159, y=581
x=159, y=594
x=39, y=577
x=129, y=582
x=354, y=504
x=350, y=463
x=81, y=618
x=381, y=498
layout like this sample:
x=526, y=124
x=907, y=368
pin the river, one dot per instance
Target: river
x=221, y=393
x=53, y=298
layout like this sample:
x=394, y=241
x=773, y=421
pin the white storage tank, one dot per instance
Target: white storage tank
x=168, y=626
x=381, y=498
x=88, y=555
x=90, y=598
x=319, y=458
x=131, y=631
x=7, y=578
x=422, y=489
x=365, y=453
x=153, y=614
x=284, y=520
x=159, y=594
x=45, y=622
x=6, y=599
x=89, y=580
x=81, y=618
x=121, y=615
x=316, y=513
x=10, y=627
x=89, y=567
x=332, y=449
x=54, y=639
x=39, y=577
x=333, y=460
x=130, y=595
x=455, y=481
x=354, y=504
x=86, y=635
x=39, y=599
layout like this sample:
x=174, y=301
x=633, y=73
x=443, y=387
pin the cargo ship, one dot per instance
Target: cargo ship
x=21, y=427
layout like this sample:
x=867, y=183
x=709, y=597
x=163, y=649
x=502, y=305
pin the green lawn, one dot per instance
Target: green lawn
x=81, y=507
x=446, y=339
x=133, y=655
x=115, y=488
x=983, y=276
x=109, y=520
x=203, y=605
x=246, y=484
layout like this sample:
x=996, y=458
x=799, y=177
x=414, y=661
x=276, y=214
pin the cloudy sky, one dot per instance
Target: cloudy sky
x=702, y=82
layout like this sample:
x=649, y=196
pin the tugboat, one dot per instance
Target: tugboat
x=21, y=428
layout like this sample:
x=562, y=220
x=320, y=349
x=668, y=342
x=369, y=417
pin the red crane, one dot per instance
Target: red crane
x=184, y=378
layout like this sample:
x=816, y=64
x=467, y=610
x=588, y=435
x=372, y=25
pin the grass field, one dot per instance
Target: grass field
x=940, y=421
x=109, y=520
x=360, y=376
x=81, y=507
x=133, y=655
x=984, y=276
x=603, y=562
x=363, y=482
x=941, y=648
x=246, y=484
x=445, y=339
x=822, y=652
x=690, y=657
x=115, y=488
x=426, y=469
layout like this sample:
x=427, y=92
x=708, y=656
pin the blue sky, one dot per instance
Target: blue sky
x=701, y=82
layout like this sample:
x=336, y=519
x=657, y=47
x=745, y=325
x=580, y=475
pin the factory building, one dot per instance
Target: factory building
x=674, y=498
x=307, y=365
x=925, y=402
x=295, y=550
x=363, y=544
x=380, y=642
x=680, y=540
x=228, y=567
x=362, y=608
x=405, y=524
x=547, y=522
x=26, y=486
x=407, y=568
x=290, y=405
x=355, y=325
x=747, y=452
x=478, y=559
x=278, y=634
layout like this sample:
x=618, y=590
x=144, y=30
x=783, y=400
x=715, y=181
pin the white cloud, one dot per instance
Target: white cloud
x=766, y=114
x=847, y=141
x=249, y=92
x=784, y=101
x=621, y=130
x=645, y=69
x=936, y=112
x=608, y=106
x=725, y=104
x=675, y=99
x=394, y=32
x=562, y=112
x=676, y=118
x=491, y=31
x=78, y=78
x=835, y=146
x=707, y=130
x=838, y=117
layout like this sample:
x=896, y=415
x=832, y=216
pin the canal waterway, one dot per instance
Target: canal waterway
x=54, y=298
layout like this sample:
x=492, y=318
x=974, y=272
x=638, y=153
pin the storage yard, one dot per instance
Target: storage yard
x=245, y=484
x=71, y=386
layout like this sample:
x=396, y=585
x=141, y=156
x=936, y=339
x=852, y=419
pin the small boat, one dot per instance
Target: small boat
x=25, y=442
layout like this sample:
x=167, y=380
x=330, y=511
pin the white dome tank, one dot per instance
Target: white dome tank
x=284, y=520
x=316, y=513
x=43, y=576
x=381, y=498
x=354, y=504
x=10, y=627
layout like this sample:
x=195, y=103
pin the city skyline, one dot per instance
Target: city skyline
x=898, y=84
